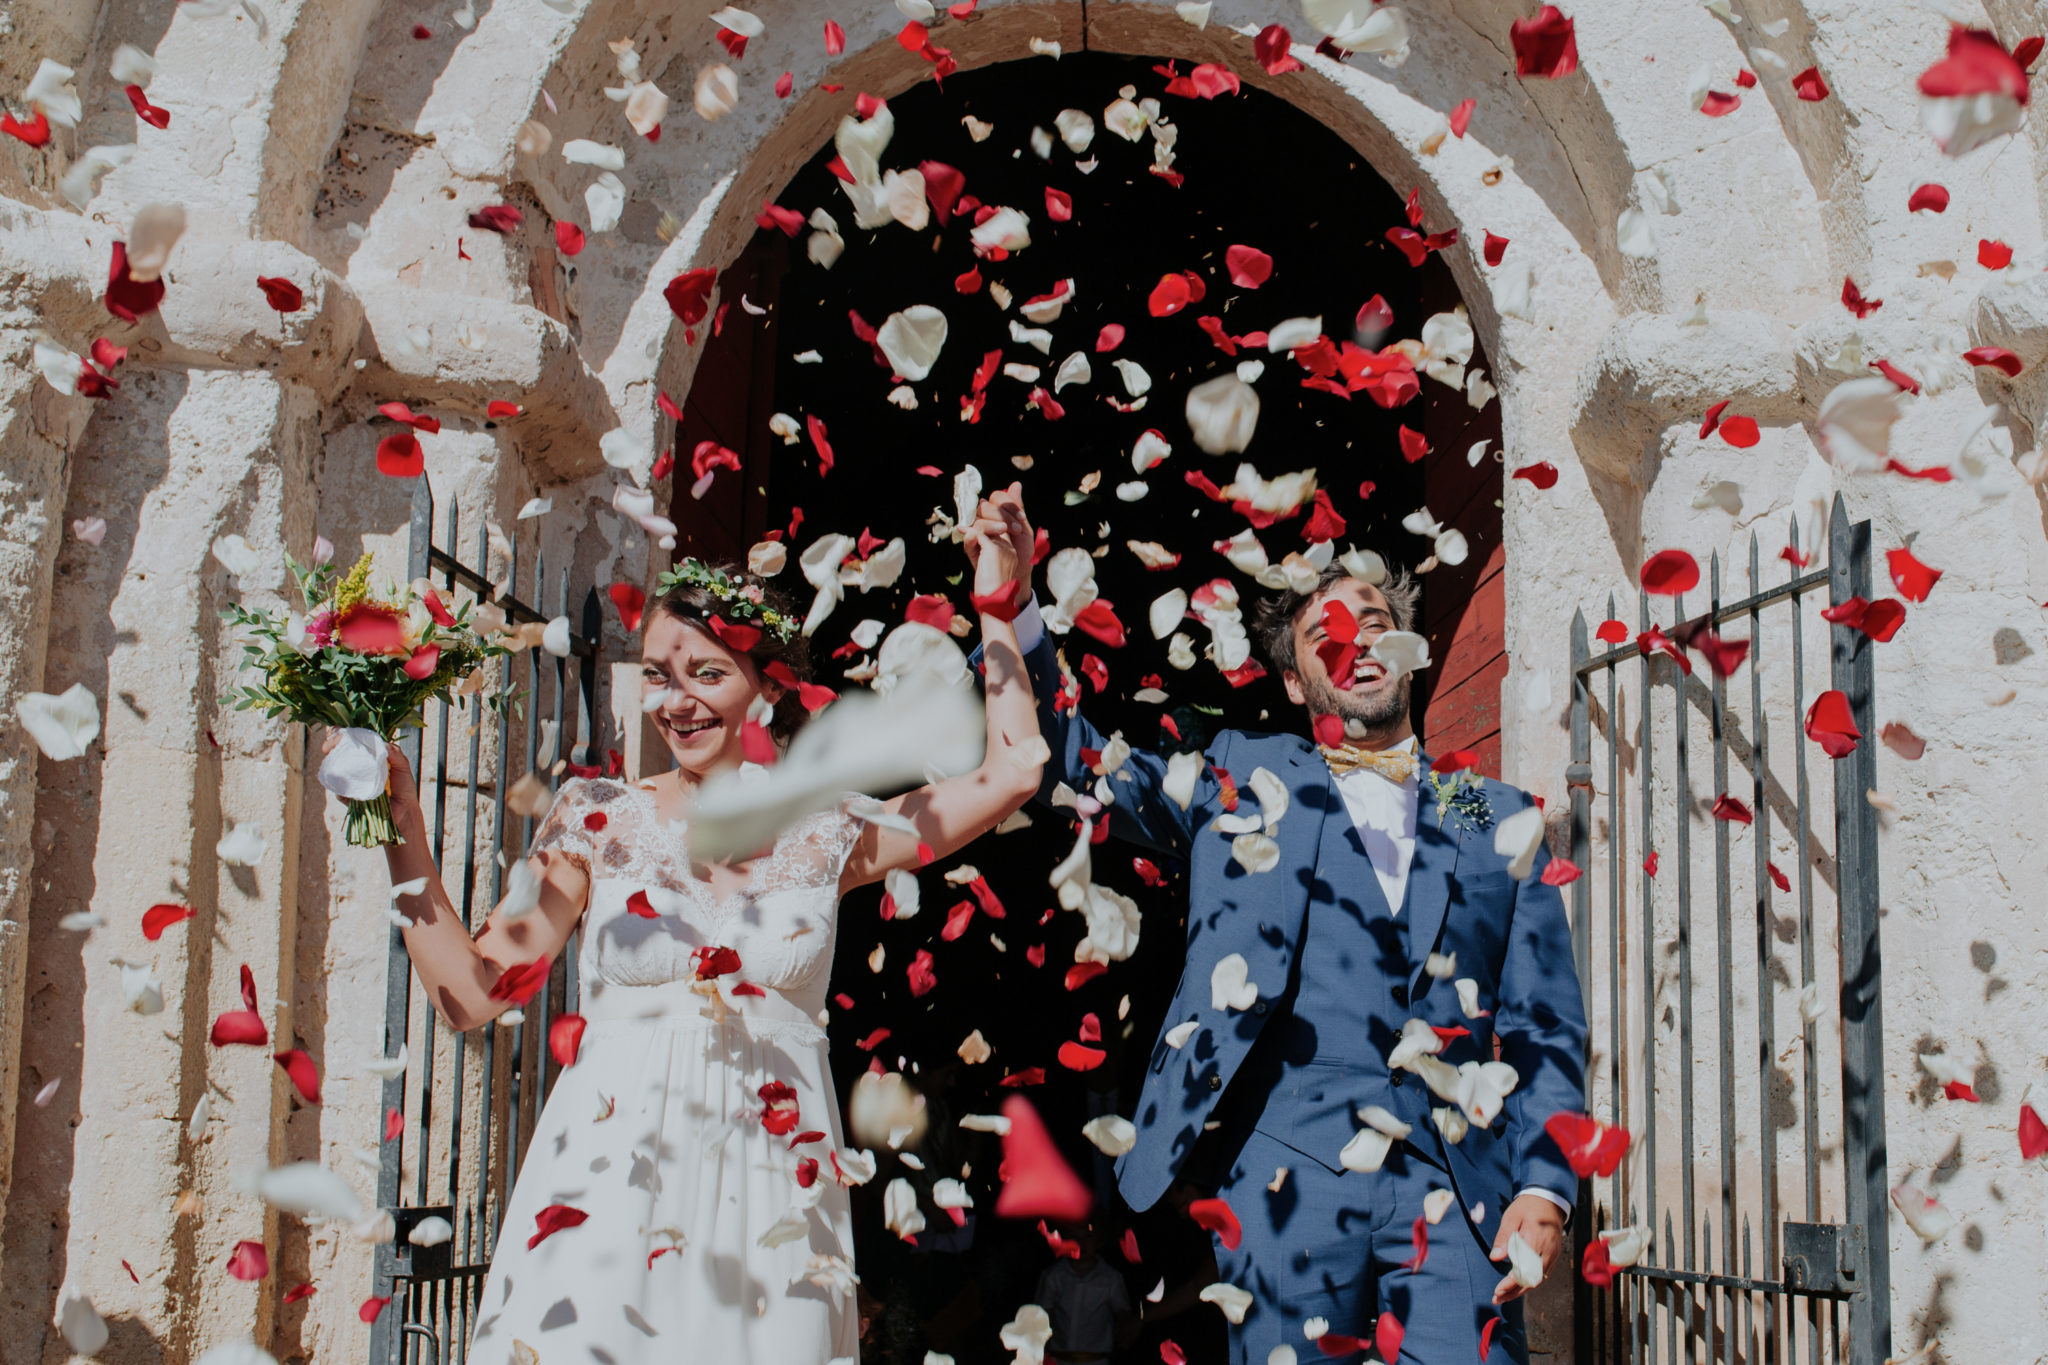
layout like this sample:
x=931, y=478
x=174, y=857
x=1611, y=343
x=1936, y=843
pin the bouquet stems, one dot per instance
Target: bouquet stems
x=369, y=823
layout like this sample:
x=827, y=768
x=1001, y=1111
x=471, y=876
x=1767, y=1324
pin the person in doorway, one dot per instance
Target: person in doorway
x=683, y=1194
x=1337, y=1022
x=1088, y=1302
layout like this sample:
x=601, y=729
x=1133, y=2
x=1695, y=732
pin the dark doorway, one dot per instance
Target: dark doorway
x=1256, y=172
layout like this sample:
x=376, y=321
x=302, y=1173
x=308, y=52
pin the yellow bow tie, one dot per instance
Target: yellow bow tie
x=1396, y=765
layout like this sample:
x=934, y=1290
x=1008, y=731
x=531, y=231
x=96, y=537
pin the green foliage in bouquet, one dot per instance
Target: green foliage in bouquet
x=359, y=662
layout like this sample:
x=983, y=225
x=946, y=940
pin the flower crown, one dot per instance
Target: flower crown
x=742, y=600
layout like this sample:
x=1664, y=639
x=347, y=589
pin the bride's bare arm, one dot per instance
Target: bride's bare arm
x=458, y=971
x=953, y=813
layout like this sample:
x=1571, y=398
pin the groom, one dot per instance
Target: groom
x=1387, y=903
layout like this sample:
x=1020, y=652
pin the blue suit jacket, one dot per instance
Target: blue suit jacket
x=1511, y=937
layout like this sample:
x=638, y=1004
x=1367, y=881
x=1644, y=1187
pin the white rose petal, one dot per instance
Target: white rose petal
x=1228, y=1297
x=85, y=1332
x=1027, y=1334
x=1526, y=1267
x=1366, y=1152
x=583, y=152
x=717, y=92
x=605, y=198
x=1223, y=413
x=1112, y=1134
x=1517, y=838
x=1854, y=425
x=310, y=1190
x=242, y=845
x=1229, y=985
x=63, y=726
x=50, y=90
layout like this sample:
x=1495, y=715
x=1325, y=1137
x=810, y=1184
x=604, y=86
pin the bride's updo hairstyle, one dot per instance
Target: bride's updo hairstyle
x=725, y=601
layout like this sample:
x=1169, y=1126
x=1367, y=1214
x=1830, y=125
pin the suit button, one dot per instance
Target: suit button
x=1401, y=996
x=1215, y=1082
x=1399, y=1080
x=1259, y=1008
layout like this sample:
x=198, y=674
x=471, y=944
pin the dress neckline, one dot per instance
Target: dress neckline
x=747, y=889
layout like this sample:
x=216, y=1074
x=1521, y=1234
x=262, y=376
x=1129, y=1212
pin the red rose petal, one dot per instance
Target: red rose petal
x=1075, y=1057
x=1727, y=807
x=689, y=295
x=1913, y=579
x=281, y=294
x=1560, y=872
x=521, y=983
x=1993, y=255
x=130, y=299
x=1249, y=267
x=1542, y=474
x=399, y=456
x=631, y=602
x=1809, y=86
x=1496, y=248
x=569, y=238
x=305, y=1076
x=1037, y=1182
x=553, y=1219
x=249, y=1261
x=502, y=219
x=1612, y=631
x=1853, y=300
x=835, y=39
x=1545, y=45
x=2033, y=1134
x=498, y=407
x=1081, y=973
x=1387, y=1333
x=372, y=1307
x=36, y=132
x=158, y=918
x=423, y=663
x=1740, y=432
x=1414, y=445
x=1217, y=1216
x=1930, y=197
x=1670, y=572
x=565, y=1038
x=1829, y=724
x=1997, y=357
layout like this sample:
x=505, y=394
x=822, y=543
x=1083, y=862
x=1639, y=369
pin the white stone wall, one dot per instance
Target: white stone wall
x=322, y=142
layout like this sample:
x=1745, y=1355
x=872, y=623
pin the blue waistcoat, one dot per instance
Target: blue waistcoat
x=1324, y=1055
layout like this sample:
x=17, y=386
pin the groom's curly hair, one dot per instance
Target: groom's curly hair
x=1273, y=618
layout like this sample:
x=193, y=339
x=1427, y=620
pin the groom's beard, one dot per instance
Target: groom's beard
x=1374, y=710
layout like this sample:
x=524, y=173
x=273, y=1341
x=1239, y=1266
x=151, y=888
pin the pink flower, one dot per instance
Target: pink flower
x=320, y=629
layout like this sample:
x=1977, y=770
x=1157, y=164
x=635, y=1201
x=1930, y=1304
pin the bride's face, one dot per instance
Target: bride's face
x=705, y=691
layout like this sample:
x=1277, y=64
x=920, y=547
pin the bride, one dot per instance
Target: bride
x=684, y=1194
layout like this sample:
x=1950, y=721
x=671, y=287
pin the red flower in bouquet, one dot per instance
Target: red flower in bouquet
x=370, y=628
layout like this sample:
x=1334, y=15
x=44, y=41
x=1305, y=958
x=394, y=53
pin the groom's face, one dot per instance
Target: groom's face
x=1365, y=695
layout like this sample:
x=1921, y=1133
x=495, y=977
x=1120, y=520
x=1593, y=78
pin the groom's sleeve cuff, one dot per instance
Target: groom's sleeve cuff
x=1029, y=625
x=1554, y=1197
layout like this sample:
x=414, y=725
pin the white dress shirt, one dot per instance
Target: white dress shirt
x=1383, y=812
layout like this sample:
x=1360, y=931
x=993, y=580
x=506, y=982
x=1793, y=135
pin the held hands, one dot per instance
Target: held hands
x=1541, y=1224
x=1001, y=532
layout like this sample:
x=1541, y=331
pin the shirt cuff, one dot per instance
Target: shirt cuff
x=1552, y=1195
x=1029, y=625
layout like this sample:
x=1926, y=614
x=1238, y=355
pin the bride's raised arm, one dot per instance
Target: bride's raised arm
x=953, y=813
x=458, y=971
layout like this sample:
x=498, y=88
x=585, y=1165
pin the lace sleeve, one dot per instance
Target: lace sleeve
x=573, y=825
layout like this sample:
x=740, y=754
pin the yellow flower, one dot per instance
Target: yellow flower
x=355, y=587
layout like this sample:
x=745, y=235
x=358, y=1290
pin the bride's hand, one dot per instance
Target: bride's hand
x=404, y=788
x=994, y=560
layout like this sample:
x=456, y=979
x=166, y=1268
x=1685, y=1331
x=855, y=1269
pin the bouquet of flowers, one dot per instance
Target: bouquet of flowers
x=366, y=666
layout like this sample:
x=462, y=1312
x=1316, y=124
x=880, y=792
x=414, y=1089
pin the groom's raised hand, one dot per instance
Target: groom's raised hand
x=1541, y=1224
x=1001, y=514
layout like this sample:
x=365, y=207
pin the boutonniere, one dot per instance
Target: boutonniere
x=1463, y=795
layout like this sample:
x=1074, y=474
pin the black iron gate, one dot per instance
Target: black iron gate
x=462, y=1112
x=1792, y=1156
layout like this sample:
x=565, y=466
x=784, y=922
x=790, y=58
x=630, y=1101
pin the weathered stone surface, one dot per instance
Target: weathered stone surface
x=324, y=143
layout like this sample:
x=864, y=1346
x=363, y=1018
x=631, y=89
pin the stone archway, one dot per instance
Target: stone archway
x=328, y=143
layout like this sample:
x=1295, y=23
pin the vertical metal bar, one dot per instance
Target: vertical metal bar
x=454, y=1040
x=1724, y=962
x=1682, y=804
x=430, y=1027
x=1579, y=780
x=1649, y=935
x=384, y=1331
x=472, y=1214
x=1671, y=1313
x=1617, y=1023
x=1766, y=1012
x=1809, y=1077
x=1853, y=671
x=485, y=1187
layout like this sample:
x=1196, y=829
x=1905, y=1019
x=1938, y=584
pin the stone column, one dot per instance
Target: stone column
x=37, y=429
x=185, y=458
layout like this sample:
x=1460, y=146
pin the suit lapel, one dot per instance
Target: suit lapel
x=1430, y=874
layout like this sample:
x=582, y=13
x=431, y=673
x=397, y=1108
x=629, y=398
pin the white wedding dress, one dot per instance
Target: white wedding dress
x=707, y=1237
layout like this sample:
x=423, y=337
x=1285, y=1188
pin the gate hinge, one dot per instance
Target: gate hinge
x=1824, y=1258
x=414, y=1261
